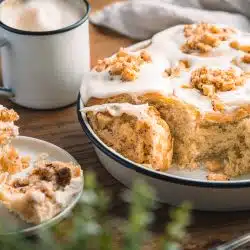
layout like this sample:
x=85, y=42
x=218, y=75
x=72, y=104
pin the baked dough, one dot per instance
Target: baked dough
x=44, y=192
x=135, y=131
x=197, y=77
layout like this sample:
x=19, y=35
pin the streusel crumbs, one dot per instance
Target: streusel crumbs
x=8, y=115
x=210, y=81
x=236, y=45
x=124, y=64
x=217, y=104
x=11, y=162
x=204, y=37
x=183, y=65
x=220, y=80
x=246, y=58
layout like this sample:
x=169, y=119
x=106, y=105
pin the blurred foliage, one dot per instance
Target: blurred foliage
x=89, y=226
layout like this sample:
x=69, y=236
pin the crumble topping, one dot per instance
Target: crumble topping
x=45, y=173
x=236, y=45
x=204, y=37
x=186, y=86
x=124, y=64
x=63, y=177
x=8, y=115
x=57, y=172
x=7, y=131
x=20, y=183
x=11, y=162
x=47, y=178
x=7, y=128
x=217, y=104
x=209, y=81
x=183, y=65
x=246, y=58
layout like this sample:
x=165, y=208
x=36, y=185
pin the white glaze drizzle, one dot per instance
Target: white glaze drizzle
x=117, y=109
x=64, y=197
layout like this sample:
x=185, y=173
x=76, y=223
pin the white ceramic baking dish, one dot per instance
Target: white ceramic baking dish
x=174, y=186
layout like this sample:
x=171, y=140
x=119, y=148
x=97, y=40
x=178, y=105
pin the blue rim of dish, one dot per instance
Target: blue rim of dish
x=52, y=32
x=152, y=173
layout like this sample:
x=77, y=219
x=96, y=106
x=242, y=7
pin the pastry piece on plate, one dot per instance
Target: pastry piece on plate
x=44, y=192
x=135, y=131
x=8, y=130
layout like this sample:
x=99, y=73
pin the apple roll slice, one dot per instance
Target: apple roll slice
x=135, y=131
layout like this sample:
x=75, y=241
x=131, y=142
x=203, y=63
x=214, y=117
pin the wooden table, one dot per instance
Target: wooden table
x=61, y=127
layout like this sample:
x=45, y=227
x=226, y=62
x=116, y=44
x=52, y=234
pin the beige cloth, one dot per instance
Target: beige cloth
x=141, y=19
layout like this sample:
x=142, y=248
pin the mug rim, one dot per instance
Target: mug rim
x=51, y=32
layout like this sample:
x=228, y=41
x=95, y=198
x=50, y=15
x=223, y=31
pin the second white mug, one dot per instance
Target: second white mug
x=44, y=70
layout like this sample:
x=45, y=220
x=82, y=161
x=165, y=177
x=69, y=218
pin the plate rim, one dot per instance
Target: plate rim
x=63, y=214
x=150, y=172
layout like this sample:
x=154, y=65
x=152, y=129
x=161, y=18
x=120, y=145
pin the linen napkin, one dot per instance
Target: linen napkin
x=141, y=19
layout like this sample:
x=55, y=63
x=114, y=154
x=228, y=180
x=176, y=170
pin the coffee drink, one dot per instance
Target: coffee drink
x=40, y=15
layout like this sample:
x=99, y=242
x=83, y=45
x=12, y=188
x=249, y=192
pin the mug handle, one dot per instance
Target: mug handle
x=5, y=91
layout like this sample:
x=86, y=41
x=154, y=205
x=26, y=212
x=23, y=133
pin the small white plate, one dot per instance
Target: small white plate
x=34, y=148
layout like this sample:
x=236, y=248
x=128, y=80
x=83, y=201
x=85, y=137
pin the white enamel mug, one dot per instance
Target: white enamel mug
x=44, y=70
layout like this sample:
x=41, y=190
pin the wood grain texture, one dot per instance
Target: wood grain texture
x=61, y=127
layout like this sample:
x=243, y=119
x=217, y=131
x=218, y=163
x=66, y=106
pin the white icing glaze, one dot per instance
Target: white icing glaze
x=117, y=109
x=150, y=79
x=244, y=66
x=165, y=52
x=237, y=97
x=194, y=97
x=63, y=197
x=37, y=196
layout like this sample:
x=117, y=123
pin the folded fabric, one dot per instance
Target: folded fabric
x=141, y=19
